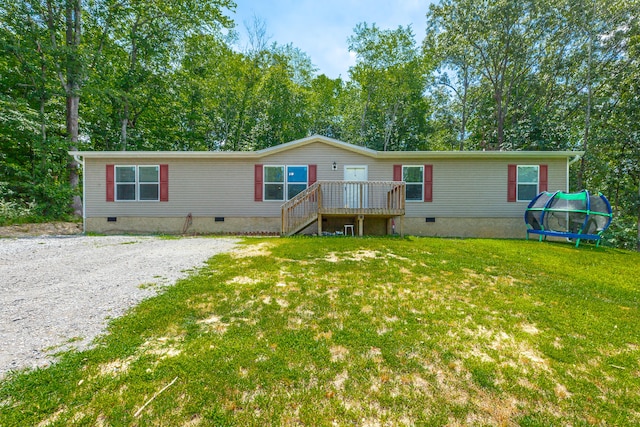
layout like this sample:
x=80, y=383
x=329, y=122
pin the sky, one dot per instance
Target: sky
x=320, y=28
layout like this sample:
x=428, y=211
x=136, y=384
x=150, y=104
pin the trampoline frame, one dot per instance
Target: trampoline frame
x=531, y=229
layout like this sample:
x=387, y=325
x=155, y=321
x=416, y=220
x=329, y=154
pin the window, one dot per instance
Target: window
x=274, y=182
x=296, y=180
x=125, y=182
x=148, y=182
x=418, y=181
x=413, y=176
x=141, y=183
x=278, y=185
x=527, y=183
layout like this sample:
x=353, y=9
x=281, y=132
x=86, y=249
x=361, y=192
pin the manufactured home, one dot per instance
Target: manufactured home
x=318, y=185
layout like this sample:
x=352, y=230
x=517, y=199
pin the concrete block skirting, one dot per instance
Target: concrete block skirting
x=500, y=228
x=182, y=225
x=435, y=227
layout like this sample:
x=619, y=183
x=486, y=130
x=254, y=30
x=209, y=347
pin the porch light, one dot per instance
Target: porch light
x=334, y=166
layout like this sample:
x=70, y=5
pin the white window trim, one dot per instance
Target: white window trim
x=285, y=184
x=265, y=182
x=286, y=179
x=116, y=182
x=414, y=183
x=136, y=183
x=518, y=182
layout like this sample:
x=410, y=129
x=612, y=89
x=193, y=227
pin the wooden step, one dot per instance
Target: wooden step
x=302, y=225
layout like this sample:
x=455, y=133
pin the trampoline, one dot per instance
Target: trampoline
x=580, y=216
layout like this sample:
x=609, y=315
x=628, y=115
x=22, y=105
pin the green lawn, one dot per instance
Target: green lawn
x=372, y=331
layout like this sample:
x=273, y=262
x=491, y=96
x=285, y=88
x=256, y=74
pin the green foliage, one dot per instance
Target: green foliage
x=390, y=76
x=156, y=75
x=12, y=211
x=35, y=183
x=324, y=331
x=623, y=233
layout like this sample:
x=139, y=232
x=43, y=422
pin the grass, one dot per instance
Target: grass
x=373, y=331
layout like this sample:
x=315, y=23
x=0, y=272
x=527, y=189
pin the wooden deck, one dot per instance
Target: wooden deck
x=358, y=199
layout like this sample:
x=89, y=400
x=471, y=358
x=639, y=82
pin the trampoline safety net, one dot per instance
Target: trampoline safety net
x=572, y=215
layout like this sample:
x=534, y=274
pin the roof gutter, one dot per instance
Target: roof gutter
x=386, y=155
x=78, y=158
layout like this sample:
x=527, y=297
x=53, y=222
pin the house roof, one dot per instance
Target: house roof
x=332, y=142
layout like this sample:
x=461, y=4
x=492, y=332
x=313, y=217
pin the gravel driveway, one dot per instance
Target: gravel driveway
x=58, y=293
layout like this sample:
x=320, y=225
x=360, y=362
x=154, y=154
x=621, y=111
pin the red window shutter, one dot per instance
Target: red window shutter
x=313, y=174
x=258, y=183
x=428, y=183
x=397, y=172
x=164, y=183
x=110, y=183
x=544, y=171
x=512, y=183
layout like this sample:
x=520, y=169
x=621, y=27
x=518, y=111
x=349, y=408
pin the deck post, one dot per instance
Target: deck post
x=360, y=225
x=319, y=224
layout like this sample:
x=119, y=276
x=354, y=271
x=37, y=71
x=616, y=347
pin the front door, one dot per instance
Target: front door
x=355, y=194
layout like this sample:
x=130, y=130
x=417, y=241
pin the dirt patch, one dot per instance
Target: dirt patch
x=43, y=229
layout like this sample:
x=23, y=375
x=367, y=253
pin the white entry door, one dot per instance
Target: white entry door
x=355, y=195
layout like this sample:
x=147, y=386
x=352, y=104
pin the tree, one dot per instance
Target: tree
x=455, y=70
x=36, y=163
x=391, y=74
x=64, y=25
x=279, y=112
x=615, y=141
x=325, y=107
x=499, y=42
x=144, y=42
x=65, y=41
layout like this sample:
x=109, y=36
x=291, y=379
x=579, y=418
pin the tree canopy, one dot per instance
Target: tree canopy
x=155, y=75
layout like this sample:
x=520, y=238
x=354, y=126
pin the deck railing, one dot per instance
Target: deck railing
x=373, y=198
x=301, y=210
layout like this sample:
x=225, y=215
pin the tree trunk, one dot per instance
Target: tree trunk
x=72, y=92
x=240, y=122
x=587, y=126
x=363, y=119
x=500, y=120
x=389, y=128
x=587, y=116
x=465, y=107
x=123, y=126
x=73, y=102
x=43, y=122
x=43, y=132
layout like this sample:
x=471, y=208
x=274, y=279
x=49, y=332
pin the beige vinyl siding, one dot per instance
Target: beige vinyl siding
x=473, y=188
x=200, y=187
x=225, y=186
x=321, y=155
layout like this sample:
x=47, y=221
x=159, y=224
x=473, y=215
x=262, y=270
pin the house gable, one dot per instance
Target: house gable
x=318, y=139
